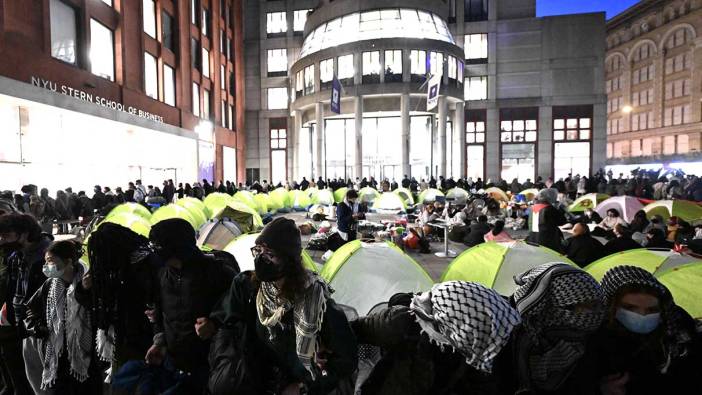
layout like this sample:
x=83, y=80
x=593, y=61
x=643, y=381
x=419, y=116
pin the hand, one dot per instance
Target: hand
x=204, y=328
x=291, y=389
x=150, y=315
x=87, y=281
x=614, y=384
x=155, y=355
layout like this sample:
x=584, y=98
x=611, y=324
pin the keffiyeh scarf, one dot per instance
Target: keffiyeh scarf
x=308, y=311
x=69, y=331
x=469, y=318
x=554, y=339
x=676, y=338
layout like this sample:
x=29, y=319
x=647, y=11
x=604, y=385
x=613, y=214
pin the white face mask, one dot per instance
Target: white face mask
x=50, y=270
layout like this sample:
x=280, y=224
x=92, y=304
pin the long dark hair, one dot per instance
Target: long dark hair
x=497, y=229
x=295, y=279
x=66, y=249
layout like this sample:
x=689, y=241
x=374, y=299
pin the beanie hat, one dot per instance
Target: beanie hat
x=282, y=236
x=174, y=235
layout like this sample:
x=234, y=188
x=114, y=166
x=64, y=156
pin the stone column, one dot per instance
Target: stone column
x=358, y=128
x=319, y=136
x=459, y=142
x=442, y=137
x=492, y=145
x=297, y=130
x=544, y=146
x=405, y=133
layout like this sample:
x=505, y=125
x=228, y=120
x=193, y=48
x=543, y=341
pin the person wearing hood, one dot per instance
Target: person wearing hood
x=582, y=248
x=545, y=220
x=191, y=284
x=647, y=344
x=347, y=216
x=561, y=307
x=291, y=336
x=58, y=314
x=443, y=341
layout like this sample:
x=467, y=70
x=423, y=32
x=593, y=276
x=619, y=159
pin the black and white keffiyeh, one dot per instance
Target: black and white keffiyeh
x=469, y=318
x=308, y=314
x=676, y=338
x=546, y=299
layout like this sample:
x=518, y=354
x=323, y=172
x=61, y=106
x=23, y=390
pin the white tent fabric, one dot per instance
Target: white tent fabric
x=241, y=249
x=374, y=273
x=389, y=203
x=626, y=205
x=217, y=233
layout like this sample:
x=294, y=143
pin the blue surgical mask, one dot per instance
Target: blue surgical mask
x=51, y=271
x=637, y=323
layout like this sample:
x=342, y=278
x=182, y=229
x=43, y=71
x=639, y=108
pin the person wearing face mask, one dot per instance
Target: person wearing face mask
x=561, y=307
x=57, y=316
x=347, y=216
x=23, y=247
x=292, y=336
x=190, y=284
x=647, y=344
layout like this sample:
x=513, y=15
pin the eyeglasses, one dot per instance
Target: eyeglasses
x=261, y=250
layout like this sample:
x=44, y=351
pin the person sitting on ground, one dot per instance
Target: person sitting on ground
x=429, y=214
x=606, y=227
x=639, y=223
x=582, y=248
x=655, y=238
x=647, y=344
x=443, y=341
x=498, y=233
x=621, y=242
x=476, y=232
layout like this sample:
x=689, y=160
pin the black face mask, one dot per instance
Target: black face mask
x=267, y=270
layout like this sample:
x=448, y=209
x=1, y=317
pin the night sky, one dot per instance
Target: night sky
x=560, y=7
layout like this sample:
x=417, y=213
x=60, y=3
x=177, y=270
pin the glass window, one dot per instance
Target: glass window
x=517, y=131
x=205, y=62
x=64, y=35
x=345, y=67
x=518, y=161
x=571, y=128
x=276, y=23
x=194, y=12
x=475, y=161
x=436, y=63
x=205, y=22
x=309, y=79
x=168, y=31
x=149, y=12
x=475, y=88
x=195, y=54
x=475, y=132
x=196, y=99
x=206, y=104
x=169, y=85
x=476, y=46
x=418, y=62
x=230, y=118
x=371, y=67
x=299, y=83
x=279, y=166
x=475, y=10
x=277, y=98
x=393, y=64
x=108, y=2
x=222, y=77
x=102, y=50
x=452, y=68
x=571, y=158
x=150, y=76
x=299, y=19
x=277, y=62
x=326, y=72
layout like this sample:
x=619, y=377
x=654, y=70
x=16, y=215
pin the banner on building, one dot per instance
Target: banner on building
x=433, y=89
x=336, y=96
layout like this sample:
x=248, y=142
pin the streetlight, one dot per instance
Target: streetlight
x=627, y=109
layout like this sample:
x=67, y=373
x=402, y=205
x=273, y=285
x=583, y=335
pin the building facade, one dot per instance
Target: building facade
x=520, y=96
x=654, y=85
x=108, y=91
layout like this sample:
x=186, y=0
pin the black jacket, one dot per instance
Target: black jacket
x=549, y=235
x=620, y=244
x=410, y=364
x=583, y=250
x=476, y=234
x=272, y=365
x=186, y=294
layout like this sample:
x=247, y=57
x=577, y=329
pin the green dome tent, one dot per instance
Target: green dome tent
x=684, y=209
x=198, y=215
x=591, y=200
x=189, y=202
x=365, y=275
x=494, y=265
x=300, y=200
x=429, y=195
x=241, y=246
x=281, y=199
x=311, y=191
x=406, y=195
x=263, y=203
x=131, y=221
x=247, y=198
x=173, y=211
x=216, y=201
x=324, y=197
x=340, y=194
x=131, y=208
x=530, y=194
x=368, y=195
x=217, y=234
x=682, y=274
x=246, y=217
x=459, y=195
x=389, y=203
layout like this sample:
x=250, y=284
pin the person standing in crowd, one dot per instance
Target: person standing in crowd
x=98, y=199
x=57, y=315
x=140, y=193
x=168, y=191
x=296, y=338
x=647, y=344
x=498, y=233
x=545, y=221
x=561, y=307
x=24, y=247
x=304, y=184
x=476, y=232
x=406, y=182
x=73, y=203
x=582, y=248
x=190, y=283
x=347, y=216
x=622, y=241
x=443, y=341
x=63, y=210
x=180, y=192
